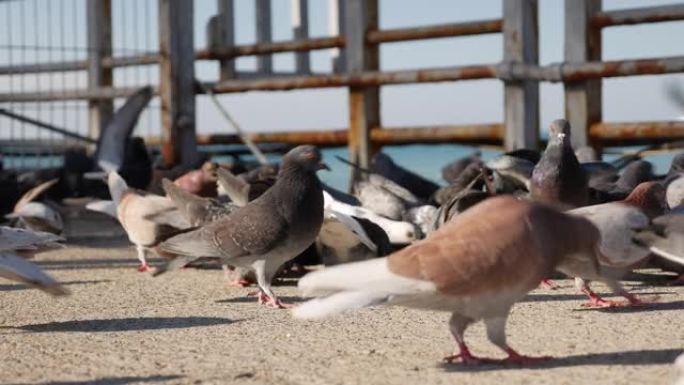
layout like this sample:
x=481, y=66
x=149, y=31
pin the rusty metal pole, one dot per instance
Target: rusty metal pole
x=521, y=97
x=582, y=44
x=221, y=36
x=364, y=102
x=177, y=81
x=99, y=46
x=262, y=16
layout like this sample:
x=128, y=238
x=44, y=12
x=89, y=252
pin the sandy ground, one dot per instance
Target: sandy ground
x=120, y=326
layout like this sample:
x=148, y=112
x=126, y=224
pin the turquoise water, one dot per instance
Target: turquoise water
x=426, y=160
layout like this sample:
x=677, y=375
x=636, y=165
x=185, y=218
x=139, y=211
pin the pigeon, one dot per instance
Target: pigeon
x=245, y=187
x=423, y=217
x=607, y=190
x=341, y=196
x=452, y=170
x=558, y=178
x=200, y=211
x=476, y=266
x=37, y=216
x=470, y=177
x=200, y=182
x=197, y=210
x=382, y=195
x=679, y=367
x=375, y=195
x=665, y=238
x=383, y=165
x=618, y=223
x=111, y=148
x=268, y=231
x=511, y=173
x=586, y=154
x=344, y=239
x=147, y=219
x=26, y=242
x=399, y=232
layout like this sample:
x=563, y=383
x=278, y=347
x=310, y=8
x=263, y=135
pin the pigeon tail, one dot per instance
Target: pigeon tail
x=337, y=303
x=117, y=186
x=105, y=207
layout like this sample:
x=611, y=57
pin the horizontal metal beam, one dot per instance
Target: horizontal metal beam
x=570, y=72
x=435, y=31
x=636, y=132
x=84, y=94
x=475, y=133
x=363, y=79
x=566, y=72
x=638, y=16
x=270, y=47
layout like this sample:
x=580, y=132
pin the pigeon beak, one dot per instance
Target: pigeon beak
x=323, y=166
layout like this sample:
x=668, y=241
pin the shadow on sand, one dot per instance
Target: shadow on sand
x=253, y=299
x=636, y=357
x=110, y=381
x=21, y=286
x=123, y=324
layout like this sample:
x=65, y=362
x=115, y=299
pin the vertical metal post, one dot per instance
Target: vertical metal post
x=521, y=98
x=263, y=34
x=300, y=27
x=336, y=17
x=364, y=102
x=582, y=44
x=99, y=16
x=176, y=83
x=221, y=34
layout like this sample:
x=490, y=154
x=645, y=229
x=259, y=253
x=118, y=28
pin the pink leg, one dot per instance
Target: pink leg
x=466, y=357
x=596, y=301
x=548, y=284
x=265, y=299
x=516, y=358
x=144, y=267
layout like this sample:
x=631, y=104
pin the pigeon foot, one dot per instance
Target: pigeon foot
x=548, y=284
x=144, y=268
x=265, y=299
x=466, y=358
x=519, y=359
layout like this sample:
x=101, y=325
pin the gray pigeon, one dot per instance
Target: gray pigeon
x=14, y=267
x=200, y=211
x=197, y=210
x=268, y=231
x=558, y=178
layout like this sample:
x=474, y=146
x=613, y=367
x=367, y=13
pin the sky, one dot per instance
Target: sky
x=49, y=22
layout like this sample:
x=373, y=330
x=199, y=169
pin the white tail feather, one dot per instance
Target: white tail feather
x=105, y=207
x=667, y=255
x=117, y=186
x=337, y=303
x=371, y=276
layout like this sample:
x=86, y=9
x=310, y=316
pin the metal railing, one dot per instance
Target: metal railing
x=358, y=39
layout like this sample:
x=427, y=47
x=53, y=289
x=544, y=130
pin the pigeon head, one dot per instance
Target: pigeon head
x=307, y=157
x=650, y=197
x=677, y=166
x=559, y=131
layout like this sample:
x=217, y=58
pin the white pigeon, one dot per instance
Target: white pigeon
x=147, y=219
x=37, y=216
x=399, y=233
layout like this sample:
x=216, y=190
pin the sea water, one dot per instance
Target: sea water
x=425, y=160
